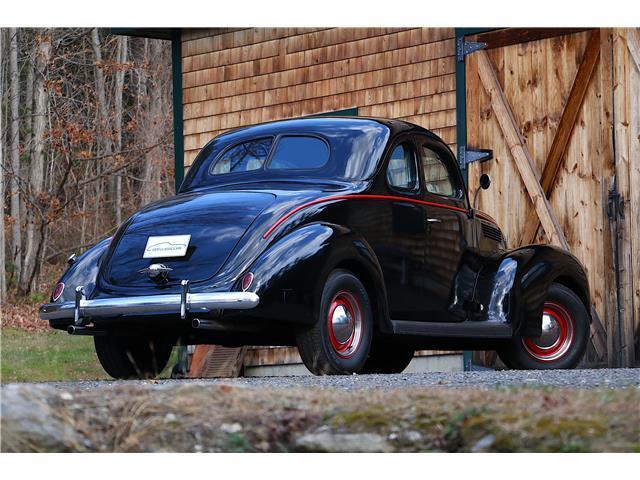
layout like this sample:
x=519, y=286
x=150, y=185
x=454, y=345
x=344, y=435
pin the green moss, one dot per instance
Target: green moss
x=581, y=427
x=372, y=417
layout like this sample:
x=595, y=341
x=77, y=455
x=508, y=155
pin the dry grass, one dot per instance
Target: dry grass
x=196, y=417
x=21, y=312
x=23, y=316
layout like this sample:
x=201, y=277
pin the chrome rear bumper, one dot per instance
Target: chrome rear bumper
x=180, y=304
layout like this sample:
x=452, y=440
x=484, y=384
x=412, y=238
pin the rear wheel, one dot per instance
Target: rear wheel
x=565, y=332
x=132, y=357
x=339, y=342
x=387, y=356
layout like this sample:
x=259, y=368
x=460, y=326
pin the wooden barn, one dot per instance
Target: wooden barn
x=560, y=108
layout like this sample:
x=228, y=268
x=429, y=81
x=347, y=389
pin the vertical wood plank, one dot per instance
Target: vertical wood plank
x=633, y=204
x=521, y=156
x=622, y=101
x=609, y=308
x=565, y=129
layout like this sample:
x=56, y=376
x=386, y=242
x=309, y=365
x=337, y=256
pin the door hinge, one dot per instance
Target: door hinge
x=615, y=205
x=464, y=48
x=467, y=156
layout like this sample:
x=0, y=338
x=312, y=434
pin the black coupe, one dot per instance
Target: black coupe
x=352, y=238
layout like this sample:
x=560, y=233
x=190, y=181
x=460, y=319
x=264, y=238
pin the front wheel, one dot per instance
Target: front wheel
x=565, y=333
x=132, y=357
x=339, y=341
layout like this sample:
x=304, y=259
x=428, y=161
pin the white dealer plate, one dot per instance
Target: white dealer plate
x=167, y=246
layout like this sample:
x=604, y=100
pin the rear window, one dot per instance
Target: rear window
x=299, y=153
x=244, y=157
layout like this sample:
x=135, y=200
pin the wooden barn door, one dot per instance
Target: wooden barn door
x=625, y=44
x=539, y=99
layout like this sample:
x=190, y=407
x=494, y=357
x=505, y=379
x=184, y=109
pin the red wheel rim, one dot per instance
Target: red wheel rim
x=344, y=322
x=557, y=334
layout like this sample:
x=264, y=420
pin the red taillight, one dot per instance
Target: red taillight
x=57, y=291
x=246, y=281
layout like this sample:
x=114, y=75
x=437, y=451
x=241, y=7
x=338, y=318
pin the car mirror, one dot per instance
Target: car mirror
x=485, y=182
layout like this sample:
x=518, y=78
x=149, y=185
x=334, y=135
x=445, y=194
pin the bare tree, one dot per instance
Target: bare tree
x=3, y=276
x=117, y=119
x=35, y=221
x=102, y=114
x=154, y=131
x=14, y=73
x=86, y=141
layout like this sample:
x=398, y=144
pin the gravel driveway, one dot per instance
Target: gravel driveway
x=581, y=379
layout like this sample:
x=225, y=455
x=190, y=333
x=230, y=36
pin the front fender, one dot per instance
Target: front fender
x=290, y=275
x=514, y=285
x=83, y=272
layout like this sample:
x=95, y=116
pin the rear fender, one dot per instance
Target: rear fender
x=83, y=272
x=513, y=286
x=290, y=275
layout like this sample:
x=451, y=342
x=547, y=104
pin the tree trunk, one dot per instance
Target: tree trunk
x=14, y=73
x=105, y=145
x=151, y=190
x=3, y=277
x=34, y=220
x=117, y=118
x=27, y=134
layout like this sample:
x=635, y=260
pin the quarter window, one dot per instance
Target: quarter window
x=244, y=157
x=401, y=172
x=299, y=153
x=436, y=175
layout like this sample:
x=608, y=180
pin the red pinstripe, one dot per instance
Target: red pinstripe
x=367, y=197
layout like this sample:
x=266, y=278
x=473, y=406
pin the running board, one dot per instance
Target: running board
x=466, y=329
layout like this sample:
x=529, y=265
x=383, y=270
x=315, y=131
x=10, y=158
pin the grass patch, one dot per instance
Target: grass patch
x=51, y=355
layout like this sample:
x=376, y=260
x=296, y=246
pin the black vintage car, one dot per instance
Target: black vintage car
x=352, y=238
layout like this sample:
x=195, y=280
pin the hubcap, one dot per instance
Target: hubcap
x=557, y=334
x=345, y=324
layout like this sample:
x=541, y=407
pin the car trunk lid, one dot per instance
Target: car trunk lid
x=209, y=225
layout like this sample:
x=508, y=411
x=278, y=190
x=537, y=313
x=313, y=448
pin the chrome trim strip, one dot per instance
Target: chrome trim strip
x=171, y=303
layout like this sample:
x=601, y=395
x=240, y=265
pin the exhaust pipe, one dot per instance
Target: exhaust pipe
x=203, y=324
x=78, y=330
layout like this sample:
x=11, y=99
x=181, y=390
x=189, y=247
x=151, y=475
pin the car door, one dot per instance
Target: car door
x=400, y=240
x=447, y=228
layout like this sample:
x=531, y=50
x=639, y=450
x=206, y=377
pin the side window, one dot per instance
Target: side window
x=401, y=171
x=244, y=157
x=436, y=175
x=299, y=152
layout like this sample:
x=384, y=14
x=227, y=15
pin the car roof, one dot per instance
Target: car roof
x=324, y=122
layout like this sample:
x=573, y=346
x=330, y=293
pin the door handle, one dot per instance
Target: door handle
x=433, y=220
